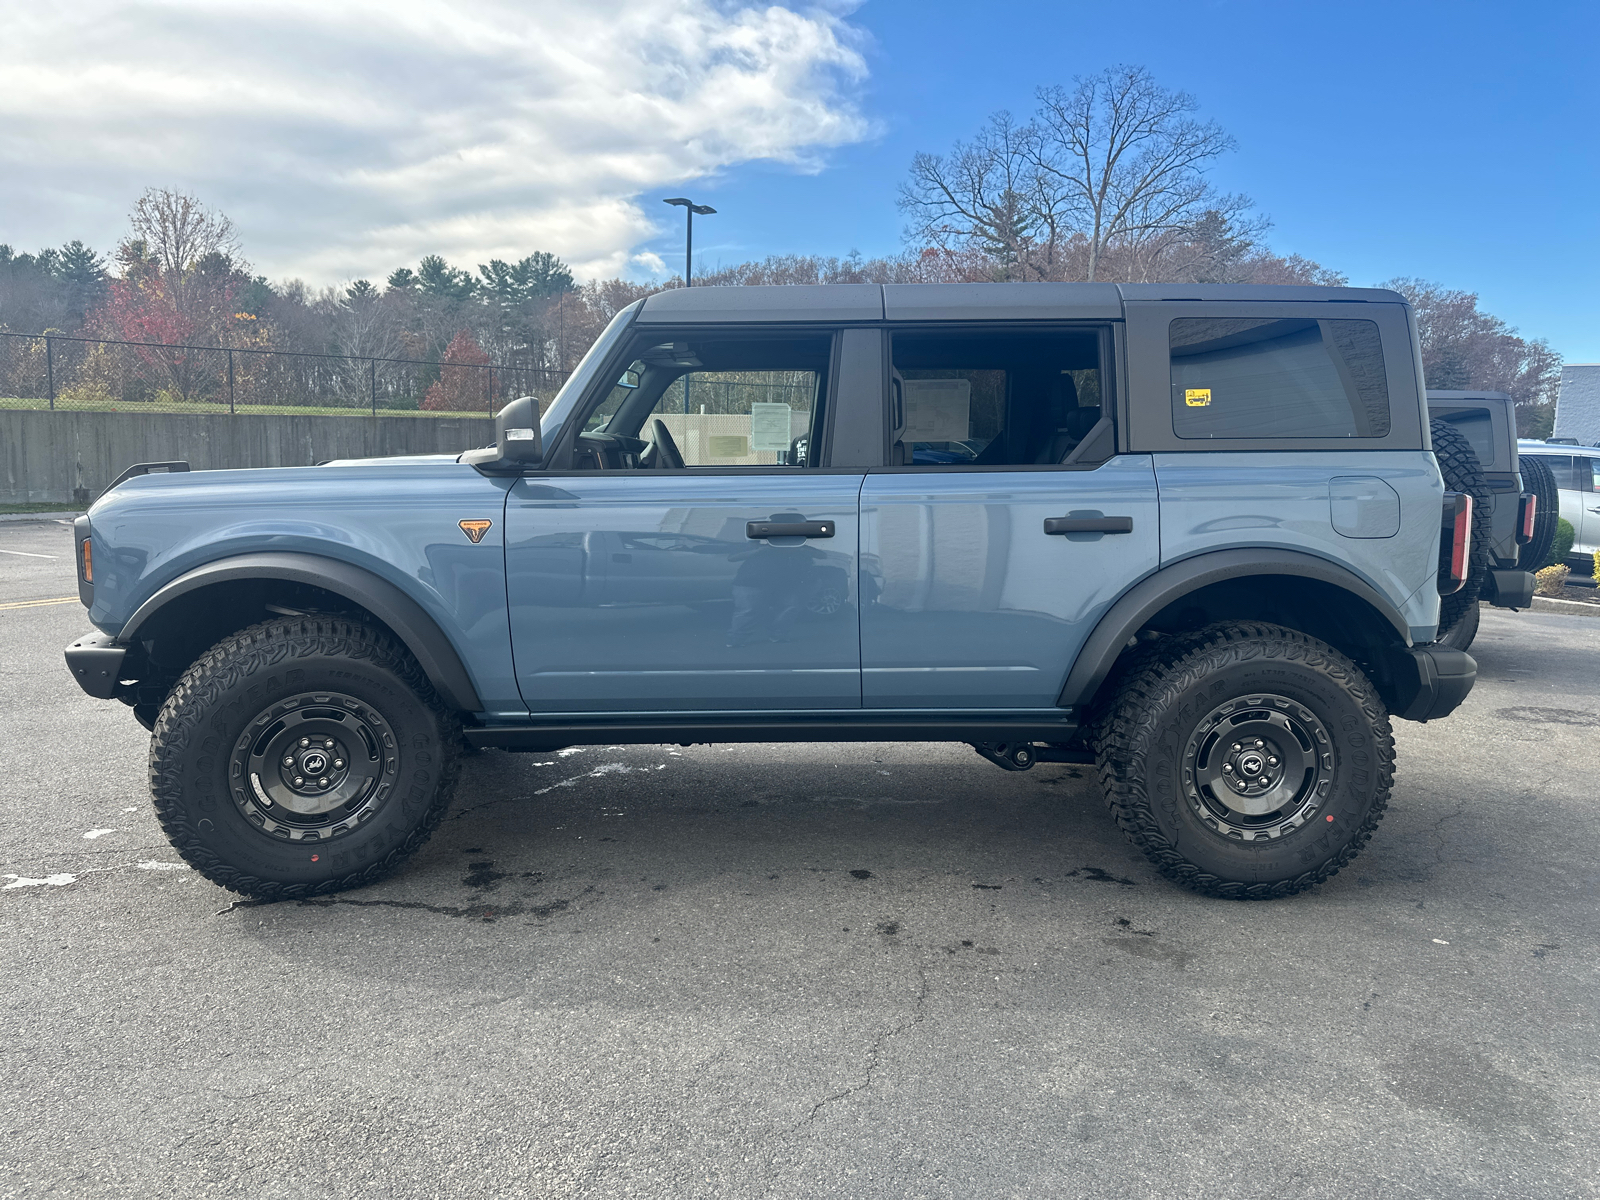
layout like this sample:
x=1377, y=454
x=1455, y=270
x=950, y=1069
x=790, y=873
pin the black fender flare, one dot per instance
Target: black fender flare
x=408, y=620
x=1153, y=593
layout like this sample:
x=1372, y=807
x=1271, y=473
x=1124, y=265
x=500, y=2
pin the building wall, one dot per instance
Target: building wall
x=1578, y=403
x=70, y=457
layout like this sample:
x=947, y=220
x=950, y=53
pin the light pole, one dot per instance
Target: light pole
x=690, y=208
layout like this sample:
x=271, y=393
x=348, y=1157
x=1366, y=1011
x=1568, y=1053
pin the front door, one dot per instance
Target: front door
x=1007, y=529
x=706, y=562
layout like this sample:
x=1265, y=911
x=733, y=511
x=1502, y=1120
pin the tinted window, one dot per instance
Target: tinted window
x=993, y=399
x=1477, y=427
x=739, y=418
x=1247, y=377
x=714, y=402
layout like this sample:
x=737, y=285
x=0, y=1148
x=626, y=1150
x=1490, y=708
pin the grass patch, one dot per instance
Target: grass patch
x=13, y=509
x=244, y=410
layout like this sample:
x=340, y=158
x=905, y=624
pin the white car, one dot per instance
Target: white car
x=1577, y=472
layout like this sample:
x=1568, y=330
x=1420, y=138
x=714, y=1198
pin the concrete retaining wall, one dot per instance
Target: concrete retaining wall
x=70, y=457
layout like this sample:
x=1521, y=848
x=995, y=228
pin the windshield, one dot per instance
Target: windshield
x=561, y=407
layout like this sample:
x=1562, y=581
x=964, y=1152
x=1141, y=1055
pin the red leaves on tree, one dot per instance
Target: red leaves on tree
x=467, y=387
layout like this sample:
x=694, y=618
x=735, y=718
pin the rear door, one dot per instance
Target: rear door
x=970, y=600
x=1586, y=482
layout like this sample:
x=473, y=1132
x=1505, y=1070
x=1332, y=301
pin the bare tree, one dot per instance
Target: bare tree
x=1127, y=156
x=178, y=231
x=1464, y=347
x=989, y=195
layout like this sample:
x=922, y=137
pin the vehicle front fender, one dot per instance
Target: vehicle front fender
x=407, y=619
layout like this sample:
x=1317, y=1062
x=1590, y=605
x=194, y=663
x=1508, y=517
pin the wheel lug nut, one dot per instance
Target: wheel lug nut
x=288, y=762
x=329, y=743
x=1237, y=747
x=337, y=763
x=305, y=741
x=1228, y=767
x=324, y=782
x=298, y=781
x=1262, y=781
x=1272, y=762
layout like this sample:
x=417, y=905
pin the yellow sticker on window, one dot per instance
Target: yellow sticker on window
x=728, y=445
x=1197, y=397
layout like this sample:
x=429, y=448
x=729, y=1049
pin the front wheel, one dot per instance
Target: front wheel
x=1247, y=761
x=301, y=757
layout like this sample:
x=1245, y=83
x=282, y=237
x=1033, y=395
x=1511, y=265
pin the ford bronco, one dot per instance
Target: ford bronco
x=1194, y=536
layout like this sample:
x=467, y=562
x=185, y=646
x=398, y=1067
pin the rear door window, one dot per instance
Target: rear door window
x=963, y=398
x=1250, y=377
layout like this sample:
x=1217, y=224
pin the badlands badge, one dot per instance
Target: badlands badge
x=475, y=529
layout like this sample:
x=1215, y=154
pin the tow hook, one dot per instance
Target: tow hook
x=1011, y=756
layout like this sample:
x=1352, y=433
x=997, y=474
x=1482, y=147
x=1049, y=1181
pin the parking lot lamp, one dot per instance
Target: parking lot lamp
x=690, y=208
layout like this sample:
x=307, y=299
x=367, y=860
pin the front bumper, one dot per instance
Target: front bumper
x=95, y=661
x=1431, y=680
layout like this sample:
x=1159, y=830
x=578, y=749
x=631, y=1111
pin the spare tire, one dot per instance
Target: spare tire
x=1463, y=473
x=1538, y=478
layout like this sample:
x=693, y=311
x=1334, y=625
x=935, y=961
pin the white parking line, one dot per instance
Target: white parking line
x=28, y=554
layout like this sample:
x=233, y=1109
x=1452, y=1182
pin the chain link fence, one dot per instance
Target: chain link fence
x=70, y=373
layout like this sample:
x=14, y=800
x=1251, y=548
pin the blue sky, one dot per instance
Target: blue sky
x=1455, y=142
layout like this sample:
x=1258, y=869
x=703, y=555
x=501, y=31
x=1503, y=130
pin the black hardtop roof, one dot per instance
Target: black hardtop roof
x=862, y=302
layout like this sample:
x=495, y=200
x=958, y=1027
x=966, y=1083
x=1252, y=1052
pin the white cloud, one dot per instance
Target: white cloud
x=347, y=138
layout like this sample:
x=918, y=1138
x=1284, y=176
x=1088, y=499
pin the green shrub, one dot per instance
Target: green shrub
x=1562, y=546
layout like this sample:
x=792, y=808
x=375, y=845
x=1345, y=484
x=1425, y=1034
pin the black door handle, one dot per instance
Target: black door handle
x=760, y=530
x=1088, y=525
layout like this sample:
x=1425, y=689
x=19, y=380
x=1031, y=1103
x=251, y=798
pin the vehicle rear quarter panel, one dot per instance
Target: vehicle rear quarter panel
x=1225, y=500
x=397, y=521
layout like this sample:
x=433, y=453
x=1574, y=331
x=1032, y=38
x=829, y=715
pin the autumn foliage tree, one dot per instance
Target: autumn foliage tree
x=465, y=383
x=1465, y=349
x=178, y=283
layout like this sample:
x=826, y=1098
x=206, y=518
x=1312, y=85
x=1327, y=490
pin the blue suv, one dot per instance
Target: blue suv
x=1193, y=535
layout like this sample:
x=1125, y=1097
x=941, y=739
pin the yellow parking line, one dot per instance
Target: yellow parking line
x=39, y=603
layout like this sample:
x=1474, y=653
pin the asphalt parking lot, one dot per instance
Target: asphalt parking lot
x=840, y=970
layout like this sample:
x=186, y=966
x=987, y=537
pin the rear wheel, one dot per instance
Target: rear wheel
x=1461, y=635
x=1246, y=761
x=300, y=757
x=1538, y=478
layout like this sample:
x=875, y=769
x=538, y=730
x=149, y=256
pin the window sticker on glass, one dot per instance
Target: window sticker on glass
x=937, y=410
x=769, y=426
x=728, y=445
x=1197, y=397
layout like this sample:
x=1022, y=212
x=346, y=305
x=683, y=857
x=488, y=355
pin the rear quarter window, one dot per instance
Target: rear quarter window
x=1248, y=377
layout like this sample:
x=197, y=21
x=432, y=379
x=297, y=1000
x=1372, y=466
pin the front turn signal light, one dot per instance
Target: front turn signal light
x=88, y=561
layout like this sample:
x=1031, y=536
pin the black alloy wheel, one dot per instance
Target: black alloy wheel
x=1247, y=761
x=302, y=756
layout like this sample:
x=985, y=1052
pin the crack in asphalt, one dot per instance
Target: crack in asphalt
x=917, y=1014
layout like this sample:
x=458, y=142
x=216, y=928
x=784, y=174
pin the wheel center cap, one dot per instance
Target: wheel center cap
x=1252, y=764
x=314, y=762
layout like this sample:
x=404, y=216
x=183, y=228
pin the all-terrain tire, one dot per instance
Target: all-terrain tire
x=1161, y=734
x=1463, y=473
x=1464, y=632
x=1538, y=478
x=236, y=817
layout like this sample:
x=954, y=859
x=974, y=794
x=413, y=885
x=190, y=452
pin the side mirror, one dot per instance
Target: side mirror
x=630, y=379
x=516, y=430
x=517, y=441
